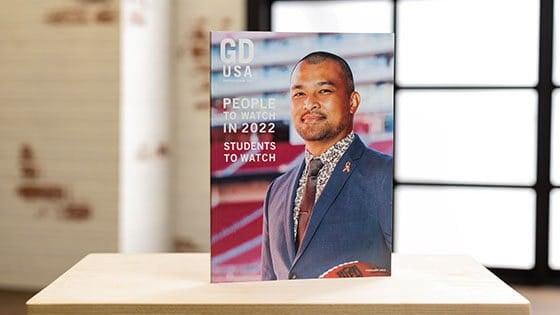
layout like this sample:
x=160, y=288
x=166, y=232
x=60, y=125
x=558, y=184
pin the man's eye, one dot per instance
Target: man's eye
x=296, y=94
x=325, y=91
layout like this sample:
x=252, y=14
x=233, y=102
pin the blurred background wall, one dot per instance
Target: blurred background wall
x=60, y=130
x=59, y=135
x=190, y=190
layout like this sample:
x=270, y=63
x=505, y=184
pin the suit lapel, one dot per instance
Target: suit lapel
x=336, y=182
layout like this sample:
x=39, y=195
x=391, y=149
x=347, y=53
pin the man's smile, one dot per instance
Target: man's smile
x=313, y=118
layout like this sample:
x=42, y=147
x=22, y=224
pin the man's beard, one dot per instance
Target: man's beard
x=321, y=131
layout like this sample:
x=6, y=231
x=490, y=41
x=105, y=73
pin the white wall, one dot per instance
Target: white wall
x=144, y=204
x=59, y=102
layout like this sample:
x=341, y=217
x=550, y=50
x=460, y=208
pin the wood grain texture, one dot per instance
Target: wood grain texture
x=179, y=283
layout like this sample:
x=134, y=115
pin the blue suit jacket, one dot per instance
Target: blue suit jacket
x=351, y=220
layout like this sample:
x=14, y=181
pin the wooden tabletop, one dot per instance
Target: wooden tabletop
x=179, y=284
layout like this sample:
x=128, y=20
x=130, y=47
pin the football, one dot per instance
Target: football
x=354, y=269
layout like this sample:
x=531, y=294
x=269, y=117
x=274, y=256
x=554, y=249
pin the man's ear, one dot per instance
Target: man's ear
x=355, y=99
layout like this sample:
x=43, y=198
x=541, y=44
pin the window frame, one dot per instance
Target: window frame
x=259, y=14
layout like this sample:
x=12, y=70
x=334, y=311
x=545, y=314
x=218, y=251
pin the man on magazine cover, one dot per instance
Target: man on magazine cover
x=335, y=209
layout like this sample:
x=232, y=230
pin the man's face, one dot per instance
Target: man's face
x=321, y=107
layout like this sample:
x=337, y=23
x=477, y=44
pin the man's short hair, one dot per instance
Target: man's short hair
x=320, y=56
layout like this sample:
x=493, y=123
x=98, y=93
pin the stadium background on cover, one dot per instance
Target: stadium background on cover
x=236, y=217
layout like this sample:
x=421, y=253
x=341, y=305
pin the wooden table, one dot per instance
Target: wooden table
x=179, y=284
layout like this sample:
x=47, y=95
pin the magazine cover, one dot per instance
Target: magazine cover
x=301, y=155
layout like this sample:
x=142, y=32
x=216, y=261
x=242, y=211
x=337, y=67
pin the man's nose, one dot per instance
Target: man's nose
x=311, y=103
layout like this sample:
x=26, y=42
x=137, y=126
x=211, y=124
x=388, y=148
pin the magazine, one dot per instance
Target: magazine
x=301, y=155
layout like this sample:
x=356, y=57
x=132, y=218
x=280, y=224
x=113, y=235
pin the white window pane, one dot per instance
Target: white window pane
x=554, y=230
x=555, y=139
x=442, y=42
x=332, y=16
x=486, y=137
x=494, y=226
